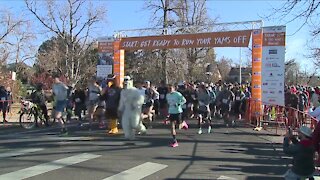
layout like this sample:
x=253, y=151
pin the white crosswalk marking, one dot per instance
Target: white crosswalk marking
x=226, y=178
x=46, y=167
x=19, y=152
x=137, y=172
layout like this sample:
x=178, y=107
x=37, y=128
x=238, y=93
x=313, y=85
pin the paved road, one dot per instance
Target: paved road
x=240, y=154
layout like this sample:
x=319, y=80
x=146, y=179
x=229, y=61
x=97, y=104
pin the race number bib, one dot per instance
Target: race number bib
x=162, y=96
x=77, y=100
x=225, y=101
x=193, y=96
x=3, y=99
x=238, y=98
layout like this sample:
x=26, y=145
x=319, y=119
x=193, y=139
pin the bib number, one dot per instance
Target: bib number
x=225, y=101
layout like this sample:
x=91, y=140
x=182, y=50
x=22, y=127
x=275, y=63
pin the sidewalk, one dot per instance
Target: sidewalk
x=12, y=117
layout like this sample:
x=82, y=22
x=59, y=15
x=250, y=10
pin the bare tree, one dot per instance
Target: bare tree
x=4, y=54
x=163, y=7
x=182, y=16
x=316, y=56
x=9, y=25
x=192, y=17
x=73, y=21
x=224, y=67
x=292, y=71
x=308, y=11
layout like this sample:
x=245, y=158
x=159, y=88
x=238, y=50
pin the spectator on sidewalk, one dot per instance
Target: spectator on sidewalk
x=314, y=98
x=292, y=104
x=316, y=132
x=3, y=102
x=10, y=98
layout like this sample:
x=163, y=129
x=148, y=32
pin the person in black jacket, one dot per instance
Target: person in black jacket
x=10, y=98
x=3, y=102
x=79, y=98
x=39, y=98
x=302, y=151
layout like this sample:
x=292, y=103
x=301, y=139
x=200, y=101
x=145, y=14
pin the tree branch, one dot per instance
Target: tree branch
x=34, y=12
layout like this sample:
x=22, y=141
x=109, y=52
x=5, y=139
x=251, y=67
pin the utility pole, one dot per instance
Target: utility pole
x=164, y=52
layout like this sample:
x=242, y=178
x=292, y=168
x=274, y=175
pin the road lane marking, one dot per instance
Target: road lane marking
x=46, y=167
x=19, y=152
x=138, y=172
x=71, y=138
x=225, y=177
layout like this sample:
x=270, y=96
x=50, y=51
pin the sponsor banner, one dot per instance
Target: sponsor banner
x=105, y=51
x=256, y=70
x=104, y=70
x=273, y=67
x=105, y=46
x=215, y=39
x=274, y=36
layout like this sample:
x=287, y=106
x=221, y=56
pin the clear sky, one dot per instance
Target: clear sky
x=130, y=14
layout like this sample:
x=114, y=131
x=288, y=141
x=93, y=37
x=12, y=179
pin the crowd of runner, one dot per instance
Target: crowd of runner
x=204, y=101
x=98, y=101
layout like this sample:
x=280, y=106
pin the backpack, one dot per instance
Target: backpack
x=38, y=98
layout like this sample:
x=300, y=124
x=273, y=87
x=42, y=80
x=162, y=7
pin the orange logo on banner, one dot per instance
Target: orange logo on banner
x=215, y=39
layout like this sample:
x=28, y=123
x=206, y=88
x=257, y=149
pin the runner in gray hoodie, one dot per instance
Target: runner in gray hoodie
x=204, y=109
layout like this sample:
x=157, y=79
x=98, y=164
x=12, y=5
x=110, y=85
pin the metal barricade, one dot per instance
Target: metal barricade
x=280, y=118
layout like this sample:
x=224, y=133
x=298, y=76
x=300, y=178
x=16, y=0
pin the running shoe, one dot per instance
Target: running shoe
x=166, y=122
x=64, y=132
x=142, y=132
x=102, y=126
x=200, y=131
x=174, y=144
x=185, y=125
x=233, y=123
x=209, y=129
